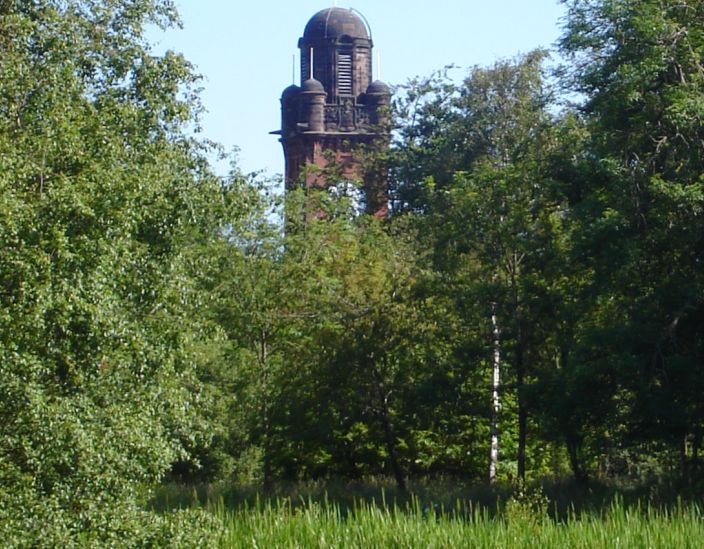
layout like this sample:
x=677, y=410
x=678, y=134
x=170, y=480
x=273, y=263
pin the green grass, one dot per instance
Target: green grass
x=373, y=515
x=369, y=526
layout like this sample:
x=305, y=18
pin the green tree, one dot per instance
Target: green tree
x=103, y=196
x=371, y=340
x=493, y=217
x=638, y=65
x=351, y=345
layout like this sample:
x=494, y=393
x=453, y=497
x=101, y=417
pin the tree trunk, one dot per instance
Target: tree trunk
x=265, y=411
x=266, y=465
x=522, y=412
x=388, y=425
x=695, y=454
x=520, y=379
x=495, y=398
x=391, y=448
x=580, y=474
x=684, y=465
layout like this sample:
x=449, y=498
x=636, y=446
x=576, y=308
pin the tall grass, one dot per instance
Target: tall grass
x=367, y=526
x=440, y=514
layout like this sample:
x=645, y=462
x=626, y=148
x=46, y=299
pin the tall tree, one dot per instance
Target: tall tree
x=103, y=194
x=639, y=67
x=493, y=212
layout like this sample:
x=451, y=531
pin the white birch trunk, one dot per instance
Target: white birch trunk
x=496, y=400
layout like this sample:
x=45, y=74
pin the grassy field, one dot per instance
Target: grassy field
x=524, y=520
x=370, y=526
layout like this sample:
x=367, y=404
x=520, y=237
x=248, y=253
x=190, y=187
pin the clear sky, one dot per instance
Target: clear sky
x=244, y=50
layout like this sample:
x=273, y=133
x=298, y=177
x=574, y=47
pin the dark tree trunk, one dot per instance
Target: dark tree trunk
x=391, y=449
x=580, y=475
x=268, y=480
x=684, y=465
x=265, y=411
x=520, y=378
x=522, y=414
x=388, y=425
x=695, y=454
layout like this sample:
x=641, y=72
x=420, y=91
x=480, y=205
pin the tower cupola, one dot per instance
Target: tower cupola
x=339, y=44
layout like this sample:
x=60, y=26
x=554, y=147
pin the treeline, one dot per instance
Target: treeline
x=533, y=306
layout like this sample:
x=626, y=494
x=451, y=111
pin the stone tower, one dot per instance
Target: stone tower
x=337, y=108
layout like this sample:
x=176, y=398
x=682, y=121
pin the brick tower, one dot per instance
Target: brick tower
x=337, y=109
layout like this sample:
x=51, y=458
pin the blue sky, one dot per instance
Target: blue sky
x=244, y=50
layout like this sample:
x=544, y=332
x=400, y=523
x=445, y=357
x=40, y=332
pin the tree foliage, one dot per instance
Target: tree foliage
x=639, y=64
x=574, y=230
x=103, y=194
x=156, y=319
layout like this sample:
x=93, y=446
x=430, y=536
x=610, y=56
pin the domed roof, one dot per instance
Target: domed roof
x=291, y=91
x=378, y=88
x=335, y=23
x=312, y=85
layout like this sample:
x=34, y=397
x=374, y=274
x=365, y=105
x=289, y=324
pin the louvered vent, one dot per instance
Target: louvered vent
x=344, y=71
